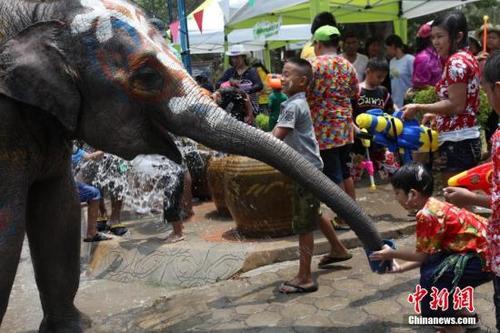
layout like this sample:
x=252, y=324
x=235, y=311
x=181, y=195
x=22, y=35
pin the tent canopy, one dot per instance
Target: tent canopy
x=345, y=11
x=236, y=19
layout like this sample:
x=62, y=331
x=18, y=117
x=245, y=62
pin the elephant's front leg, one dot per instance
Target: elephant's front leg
x=53, y=228
x=12, y=227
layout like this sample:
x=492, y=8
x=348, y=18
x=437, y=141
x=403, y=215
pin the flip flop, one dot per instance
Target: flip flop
x=118, y=229
x=328, y=260
x=290, y=288
x=98, y=237
x=102, y=226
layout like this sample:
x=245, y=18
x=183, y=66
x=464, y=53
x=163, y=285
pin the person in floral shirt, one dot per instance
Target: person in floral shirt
x=334, y=89
x=455, y=115
x=462, y=197
x=451, y=244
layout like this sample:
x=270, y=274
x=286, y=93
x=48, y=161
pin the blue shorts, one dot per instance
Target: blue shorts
x=459, y=156
x=473, y=276
x=88, y=193
x=335, y=162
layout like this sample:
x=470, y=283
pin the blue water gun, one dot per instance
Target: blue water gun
x=401, y=137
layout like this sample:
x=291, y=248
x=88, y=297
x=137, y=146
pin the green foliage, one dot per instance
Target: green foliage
x=425, y=96
x=484, y=109
x=429, y=96
x=262, y=122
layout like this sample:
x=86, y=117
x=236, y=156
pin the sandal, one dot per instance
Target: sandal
x=118, y=229
x=290, y=288
x=98, y=237
x=328, y=260
x=102, y=226
x=173, y=238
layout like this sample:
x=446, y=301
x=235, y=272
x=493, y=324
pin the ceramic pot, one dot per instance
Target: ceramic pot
x=215, y=177
x=259, y=197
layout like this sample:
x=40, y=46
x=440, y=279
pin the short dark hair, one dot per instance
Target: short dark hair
x=376, y=64
x=394, y=40
x=422, y=43
x=322, y=19
x=413, y=176
x=349, y=34
x=491, y=71
x=304, y=66
x=454, y=22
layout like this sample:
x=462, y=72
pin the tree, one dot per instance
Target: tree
x=474, y=13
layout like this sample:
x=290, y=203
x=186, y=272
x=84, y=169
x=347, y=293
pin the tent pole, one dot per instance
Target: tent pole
x=401, y=28
x=226, y=48
x=184, y=35
x=267, y=58
x=401, y=24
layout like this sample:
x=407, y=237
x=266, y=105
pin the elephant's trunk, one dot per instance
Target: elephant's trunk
x=214, y=128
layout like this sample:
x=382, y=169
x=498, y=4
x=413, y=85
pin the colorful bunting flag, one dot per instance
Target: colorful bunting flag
x=198, y=17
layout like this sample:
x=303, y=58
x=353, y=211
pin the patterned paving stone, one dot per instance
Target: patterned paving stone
x=298, y=311
x=263, y=319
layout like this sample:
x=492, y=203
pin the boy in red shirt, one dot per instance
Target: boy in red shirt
x=463, y=197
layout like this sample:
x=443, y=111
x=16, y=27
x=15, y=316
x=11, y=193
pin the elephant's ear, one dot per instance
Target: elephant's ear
x=35, y=71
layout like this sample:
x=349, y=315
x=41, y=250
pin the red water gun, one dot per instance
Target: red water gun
x=477, y=178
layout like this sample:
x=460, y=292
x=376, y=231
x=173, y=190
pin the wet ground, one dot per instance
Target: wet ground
x=350, y=298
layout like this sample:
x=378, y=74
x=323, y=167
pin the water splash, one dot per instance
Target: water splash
x=147, y=183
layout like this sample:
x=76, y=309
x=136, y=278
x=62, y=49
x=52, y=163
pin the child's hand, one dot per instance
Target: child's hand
x=385, y=254
x=395, y=267
x=458, y=196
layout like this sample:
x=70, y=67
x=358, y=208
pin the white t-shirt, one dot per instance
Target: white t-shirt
x=401, y=71
x=359, y=64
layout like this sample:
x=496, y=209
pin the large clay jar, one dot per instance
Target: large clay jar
x=215, y=176
x=259, y=198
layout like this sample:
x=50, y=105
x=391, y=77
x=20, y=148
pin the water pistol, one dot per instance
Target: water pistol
x=398, y=135
x=477, y=178
x=367, y=164
x=274, y=81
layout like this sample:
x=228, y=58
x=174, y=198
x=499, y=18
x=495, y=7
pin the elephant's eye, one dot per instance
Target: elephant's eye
x=146, y=80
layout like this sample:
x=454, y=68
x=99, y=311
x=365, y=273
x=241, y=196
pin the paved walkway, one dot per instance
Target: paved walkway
x=214, y=251
x=350, y=299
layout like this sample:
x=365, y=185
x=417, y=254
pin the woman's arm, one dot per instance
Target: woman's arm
x=455, y=104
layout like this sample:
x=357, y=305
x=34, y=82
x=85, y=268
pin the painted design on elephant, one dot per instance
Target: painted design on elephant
x=107, y=17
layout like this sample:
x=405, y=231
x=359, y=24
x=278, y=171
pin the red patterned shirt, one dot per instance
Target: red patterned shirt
x=330, y=100
x=442, y=226
x=494, y=226
x=461, y=67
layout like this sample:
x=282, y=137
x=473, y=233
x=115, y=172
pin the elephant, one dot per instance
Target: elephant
x=95, y=70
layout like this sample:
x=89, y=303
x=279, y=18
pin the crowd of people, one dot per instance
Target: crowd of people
x=314, y=113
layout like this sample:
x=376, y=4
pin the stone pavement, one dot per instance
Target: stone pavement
x=350, y=299
x=213, y=251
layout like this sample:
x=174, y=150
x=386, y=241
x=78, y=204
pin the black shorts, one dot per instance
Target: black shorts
x=459, y=156
x=335, y=162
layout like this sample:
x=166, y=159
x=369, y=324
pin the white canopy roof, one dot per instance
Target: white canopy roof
x=243, y=14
